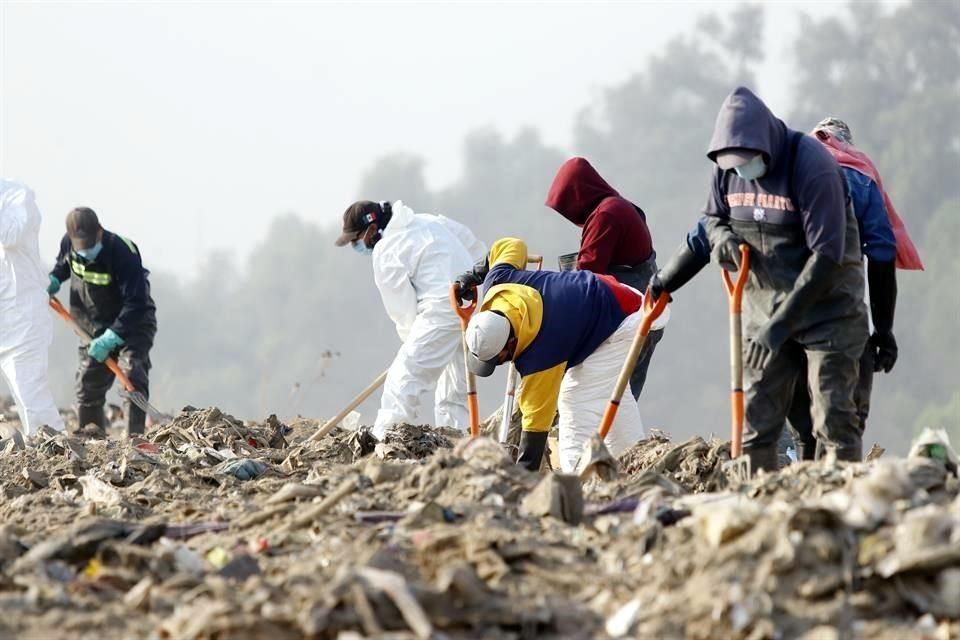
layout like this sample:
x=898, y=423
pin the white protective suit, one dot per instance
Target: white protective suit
x=414, y=263
x=585, y=393
x=26, y=325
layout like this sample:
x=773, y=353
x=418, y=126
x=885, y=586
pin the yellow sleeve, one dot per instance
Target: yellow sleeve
x=509, y=250
x=538, y=397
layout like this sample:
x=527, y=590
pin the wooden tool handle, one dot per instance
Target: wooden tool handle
x=329, y=425
x=651, y=311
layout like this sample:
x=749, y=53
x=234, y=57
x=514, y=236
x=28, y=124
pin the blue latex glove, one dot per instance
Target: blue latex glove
x=54, y=286
x=244, y=468
x=101, y=348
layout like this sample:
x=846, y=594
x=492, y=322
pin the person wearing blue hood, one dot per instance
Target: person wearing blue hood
x=782, y=194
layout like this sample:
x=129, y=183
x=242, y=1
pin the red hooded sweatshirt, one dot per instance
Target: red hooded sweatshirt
x=615, y=230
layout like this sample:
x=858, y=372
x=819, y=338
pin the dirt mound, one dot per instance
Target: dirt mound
x=213, y=527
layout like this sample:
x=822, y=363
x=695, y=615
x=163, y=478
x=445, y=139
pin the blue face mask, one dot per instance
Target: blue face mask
x=753, y=169
x=91, y=253
x=361, y=248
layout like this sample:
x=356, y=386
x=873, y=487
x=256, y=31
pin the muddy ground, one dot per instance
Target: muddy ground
x=430, y=536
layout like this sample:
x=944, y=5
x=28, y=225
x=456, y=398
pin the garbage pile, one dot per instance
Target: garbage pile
x=214, y=527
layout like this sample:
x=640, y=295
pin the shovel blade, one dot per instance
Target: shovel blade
x=596, y=459
x=738, y=470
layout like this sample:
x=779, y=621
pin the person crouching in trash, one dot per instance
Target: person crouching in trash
x=568, y=334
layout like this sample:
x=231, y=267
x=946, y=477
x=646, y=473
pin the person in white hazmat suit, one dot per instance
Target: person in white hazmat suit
x=26, y=325
x=415, y=258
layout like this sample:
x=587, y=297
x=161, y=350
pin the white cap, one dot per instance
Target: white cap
x=487, y=335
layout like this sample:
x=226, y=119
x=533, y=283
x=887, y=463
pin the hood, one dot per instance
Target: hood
x=744, y=121
x=577, y=189
x=402, y=216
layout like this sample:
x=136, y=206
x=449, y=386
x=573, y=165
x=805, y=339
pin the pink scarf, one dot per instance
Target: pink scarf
x=847, y=155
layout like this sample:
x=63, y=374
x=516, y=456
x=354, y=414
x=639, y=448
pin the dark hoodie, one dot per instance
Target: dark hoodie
x=817, y=202
x=615, y=231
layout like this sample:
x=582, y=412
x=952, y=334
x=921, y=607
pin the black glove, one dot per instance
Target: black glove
x=724, y=243
x=815, y=278
x=677, y=272
x=882, y=280
x=468, y=282
x=884, y=347
x=532, y=446
x=467, y=286
x=762, y=347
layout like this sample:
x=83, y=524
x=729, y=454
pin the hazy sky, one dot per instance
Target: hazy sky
x=188, y=125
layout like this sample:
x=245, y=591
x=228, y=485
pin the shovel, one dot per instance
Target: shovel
x=330, y=424
x=464, y=313
x=128, y=391
x=510, y=394
x=596, y=457
x=739, y=466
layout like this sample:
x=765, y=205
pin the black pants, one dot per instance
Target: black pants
x=94, y=379
x=801, y=423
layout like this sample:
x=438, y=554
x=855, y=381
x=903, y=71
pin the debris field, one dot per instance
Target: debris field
x=212, y=527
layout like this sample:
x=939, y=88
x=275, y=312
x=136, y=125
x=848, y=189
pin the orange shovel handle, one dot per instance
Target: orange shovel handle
x=465, y=313
x=735, y=293
x=109, y=362
x=473, y=406
x=651, y=311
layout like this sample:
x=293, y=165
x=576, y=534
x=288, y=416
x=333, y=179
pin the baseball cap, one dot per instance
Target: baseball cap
x=487, y=335
x=734, y=157
x=82, y=227
x=356, y=218
x=836, y=128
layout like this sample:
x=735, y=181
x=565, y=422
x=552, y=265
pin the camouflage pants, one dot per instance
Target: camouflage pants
x=832, y=376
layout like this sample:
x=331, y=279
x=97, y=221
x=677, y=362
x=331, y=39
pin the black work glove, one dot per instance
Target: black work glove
x=468, y=282
x=467, y=286
x=884, y=347
x=726, y=253
x=724, y=243
x=657, y=288
x=762, y=347
x=882, y=280
x=678, y=271
x=815, y=278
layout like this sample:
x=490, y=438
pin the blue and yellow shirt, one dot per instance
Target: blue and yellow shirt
x=559, y=319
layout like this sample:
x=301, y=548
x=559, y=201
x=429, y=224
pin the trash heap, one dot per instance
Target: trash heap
x=214, y=527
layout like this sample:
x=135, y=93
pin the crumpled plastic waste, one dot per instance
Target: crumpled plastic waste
x=243, y=468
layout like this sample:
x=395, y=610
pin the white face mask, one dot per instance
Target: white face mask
x=753, y=169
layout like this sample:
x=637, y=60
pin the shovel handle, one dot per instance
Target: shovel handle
x=735, y=293
x=651, y=311
x=110, y=363
x=473, y=407
x=463, y=312
x=537, y=260
x=735, y=290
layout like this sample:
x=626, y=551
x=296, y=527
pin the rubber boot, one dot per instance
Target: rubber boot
x=850, y=454
x=805, y=450
x=136, y=419
x=762, y=458
x=532, y=446
x=91, y=415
